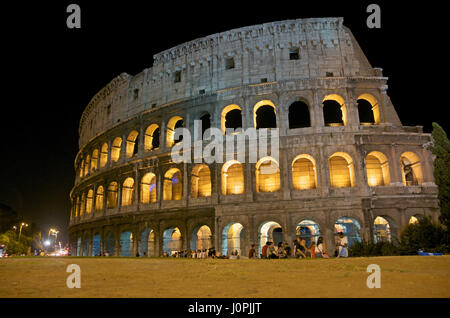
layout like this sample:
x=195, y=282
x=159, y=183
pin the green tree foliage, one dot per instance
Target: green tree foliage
x=441, y=149
x=13, y=245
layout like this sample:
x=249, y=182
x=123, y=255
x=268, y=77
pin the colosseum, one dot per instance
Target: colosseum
x=345, y=162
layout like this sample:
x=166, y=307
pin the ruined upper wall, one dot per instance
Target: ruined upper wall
x=260, y=53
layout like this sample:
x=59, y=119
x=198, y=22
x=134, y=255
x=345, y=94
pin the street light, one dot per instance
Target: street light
x=20, y=232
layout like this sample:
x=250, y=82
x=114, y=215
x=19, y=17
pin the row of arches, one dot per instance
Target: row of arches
x=264, y=116
x=233, y=237
x=267, y=177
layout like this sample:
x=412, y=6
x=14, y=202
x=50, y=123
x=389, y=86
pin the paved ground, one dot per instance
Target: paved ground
x=405, y=276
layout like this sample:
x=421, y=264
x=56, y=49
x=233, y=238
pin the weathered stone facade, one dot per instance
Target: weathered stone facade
x=280, y=63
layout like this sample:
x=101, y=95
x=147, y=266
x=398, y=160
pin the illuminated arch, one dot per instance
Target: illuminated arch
x=411, y=169
x=148, y=188
x=99, y=198
x=81, y=168
x=267, y=175
x=232, y=236
x=132, y=144
x=228, y=113
x=116, y=149
x=377, y=169
x=127, y=192
x=172, y=241
x=86, y=165
x=271, y=114
x=112, y=195
x=82, y=204
x=381, y=230
x=269, y=231
x=329, y=108
x=200, y=181
x=308, y=230
x=151, y=140
x=94, y=160
x=104, y=155
x=173, y=185
x=147, y=245
x=349, y=227
x=126, y=244
x=89, y=201
x=173, y=123
x=304, y=174
x=232, y=178
x=342, y=172
x=201, y=238
x=375, y=107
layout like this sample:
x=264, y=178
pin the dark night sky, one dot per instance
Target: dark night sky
x=53, y=72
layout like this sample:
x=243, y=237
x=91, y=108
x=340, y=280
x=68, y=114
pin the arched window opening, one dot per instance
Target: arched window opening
x=231, y=117
x=365, y=112
x=304, y=173
x=368, y=109
x=350, y=228
x=82, y=204
x=174, y=123
x=267, y=175
x=172, y=242
x=151, y=139
x=109, y=243
x=81, y=168
x=201, y=181
x=334, y=110
x=201, y=238
x=111, y=199
x=232, y=236
x=77, y=207
x=99, y=199
x=206, y=123
x=411, y=169
x=127, y=192
x=269, y=231
x=377, y=169
x=104, y=155
x=148, y=188
x=341, y=170
x=381, y=230
x=308, y=230
x=94, y=160
x=86, y=165
x=79, y=246
x=126, y=244
x=89, y=201
x=116, y=149
x=96, y=245
x=232, y=178
x=147, y=245
x=265, y=117
x=414, y=219
x=173, y=185
x=299, y=115
x=132, y=144
x=86, y=246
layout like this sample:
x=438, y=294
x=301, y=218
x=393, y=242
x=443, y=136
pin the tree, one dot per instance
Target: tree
x=441, y=149
x=425, y=234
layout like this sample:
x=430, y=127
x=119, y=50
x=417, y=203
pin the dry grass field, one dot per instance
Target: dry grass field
x=405, y=276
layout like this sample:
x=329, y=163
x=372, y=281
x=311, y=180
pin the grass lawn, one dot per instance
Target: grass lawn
x=401, y=276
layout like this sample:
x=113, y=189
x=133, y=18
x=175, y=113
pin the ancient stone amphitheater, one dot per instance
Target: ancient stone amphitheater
x=346, y=162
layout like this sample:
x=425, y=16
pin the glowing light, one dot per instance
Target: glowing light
x=47, y=243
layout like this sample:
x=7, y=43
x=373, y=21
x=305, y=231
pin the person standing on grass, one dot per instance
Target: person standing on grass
x=342, y=245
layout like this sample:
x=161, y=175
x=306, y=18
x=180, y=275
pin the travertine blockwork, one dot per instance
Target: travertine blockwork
x=344, y=156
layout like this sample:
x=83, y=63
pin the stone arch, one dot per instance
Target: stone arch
x=99, y=198
x=104, y=155
x=232, y=178
x=309, y=230
x=132, y=147
x=384, y=229
x=148, y=243
x=148, y=188
x=334, y=110
x=264, y=114
x=172, y=124
x=206, y=123
x=267, y=175
x=200, y=181
x=368, y=109
x=172, y=240
x=82, y=204
x=151, y=139
x=173, y=184
x=304, y=173
x=201, y=238
x=411, y=169
x=86, y=164
x=269, y=231
x=126, y=243
x=109, y=243
x=231, y=117
x=116, y=148
x=351, y=228
x=233, y=237
x=342, y=172
x=79, y=240
x=299, y=115
x=377, y=169
x=86, y=244
x=89, y=201
x=128, y=191
x=96, y=244
x=81, y=168
x=112, y=195
x=94, y=160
